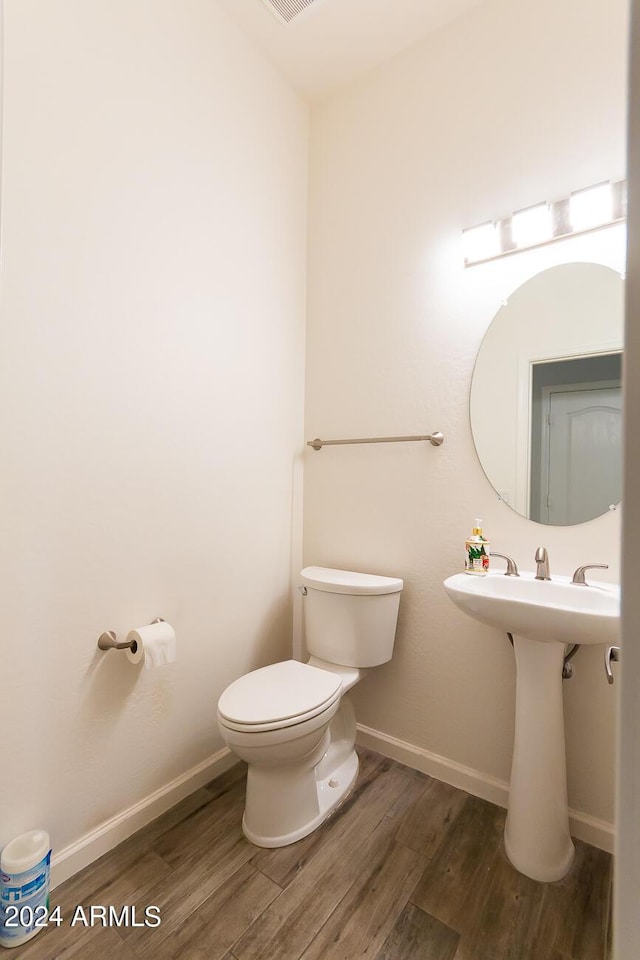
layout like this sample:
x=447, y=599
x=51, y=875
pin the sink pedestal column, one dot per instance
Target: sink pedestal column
x=537, y=839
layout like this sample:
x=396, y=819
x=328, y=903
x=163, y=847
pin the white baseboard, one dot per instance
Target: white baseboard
x=109, y=834
x=599, y=833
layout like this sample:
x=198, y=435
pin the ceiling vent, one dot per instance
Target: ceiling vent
x=288, y=10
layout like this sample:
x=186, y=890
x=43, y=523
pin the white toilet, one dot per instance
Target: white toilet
x=292, y=722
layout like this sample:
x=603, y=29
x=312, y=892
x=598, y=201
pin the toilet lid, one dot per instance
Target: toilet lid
x=282, y=693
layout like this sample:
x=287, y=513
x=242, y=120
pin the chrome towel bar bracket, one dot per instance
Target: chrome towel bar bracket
x=435, y=439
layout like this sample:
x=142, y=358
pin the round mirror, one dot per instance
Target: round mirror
x=546, y=399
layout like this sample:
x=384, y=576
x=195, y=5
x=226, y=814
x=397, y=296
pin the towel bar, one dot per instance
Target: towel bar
x=435, y=439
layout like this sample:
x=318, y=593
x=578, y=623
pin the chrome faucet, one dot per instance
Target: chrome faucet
x=512, y=569
x=542, y=564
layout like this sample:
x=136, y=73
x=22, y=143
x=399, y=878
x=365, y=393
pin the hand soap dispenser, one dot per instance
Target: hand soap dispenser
x=476, y=558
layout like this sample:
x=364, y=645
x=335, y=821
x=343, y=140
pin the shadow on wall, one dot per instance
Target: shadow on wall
x=273, y=637
x=110, y=681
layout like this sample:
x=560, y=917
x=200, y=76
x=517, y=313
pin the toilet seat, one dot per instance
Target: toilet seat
x=278, y=696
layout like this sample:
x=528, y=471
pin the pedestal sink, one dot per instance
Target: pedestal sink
x=542, y=616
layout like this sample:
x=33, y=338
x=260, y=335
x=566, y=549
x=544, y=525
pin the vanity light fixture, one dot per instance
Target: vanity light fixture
x=590, y=208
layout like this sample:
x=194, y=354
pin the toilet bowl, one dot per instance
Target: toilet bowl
x=293, y=723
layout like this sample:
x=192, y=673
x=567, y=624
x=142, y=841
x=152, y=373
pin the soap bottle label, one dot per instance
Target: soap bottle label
x=477, y=556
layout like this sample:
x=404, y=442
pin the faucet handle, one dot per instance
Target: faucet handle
x=578, y=576
x=611, y=653
x=512, y=569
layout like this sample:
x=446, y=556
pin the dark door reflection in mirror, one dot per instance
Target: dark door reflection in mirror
x=576, y=438
x=546, y=395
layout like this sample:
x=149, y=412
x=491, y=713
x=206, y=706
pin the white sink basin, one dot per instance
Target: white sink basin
x=537, y=837
x=540, y=609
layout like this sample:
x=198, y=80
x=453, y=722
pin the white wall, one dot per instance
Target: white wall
x=515, y=103
x=151, y=344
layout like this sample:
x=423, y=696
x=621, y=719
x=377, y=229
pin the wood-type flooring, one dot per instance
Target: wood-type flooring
x=408, y=868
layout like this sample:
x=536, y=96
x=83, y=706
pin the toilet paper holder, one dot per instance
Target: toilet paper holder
x=109, y=641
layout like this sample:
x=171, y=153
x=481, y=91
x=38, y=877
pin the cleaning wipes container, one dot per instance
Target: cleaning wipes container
x=24, y=887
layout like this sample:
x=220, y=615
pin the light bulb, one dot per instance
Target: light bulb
x=591, y=207
x=532, y=225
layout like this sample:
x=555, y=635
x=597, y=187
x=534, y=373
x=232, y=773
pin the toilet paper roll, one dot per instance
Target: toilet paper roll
x=155, y=644
x=135, y=654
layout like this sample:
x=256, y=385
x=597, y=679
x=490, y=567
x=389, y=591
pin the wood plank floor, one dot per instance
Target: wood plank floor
x=408, y=868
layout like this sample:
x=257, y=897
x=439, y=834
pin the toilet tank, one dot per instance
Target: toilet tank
x=350, y=618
